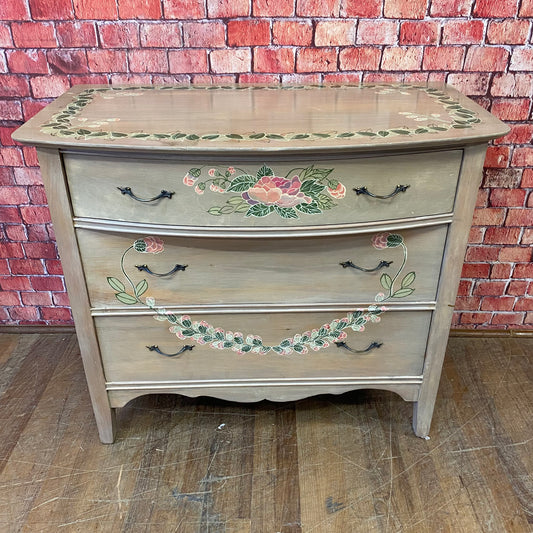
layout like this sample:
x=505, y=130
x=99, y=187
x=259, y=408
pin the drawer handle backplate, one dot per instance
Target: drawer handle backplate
x=129, y=192
x=145, y=268
x=371, y=346
x=185, y=348
x=381, y=264
x=364, y=190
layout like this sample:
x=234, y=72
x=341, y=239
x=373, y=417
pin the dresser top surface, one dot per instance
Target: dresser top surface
x=259, y=118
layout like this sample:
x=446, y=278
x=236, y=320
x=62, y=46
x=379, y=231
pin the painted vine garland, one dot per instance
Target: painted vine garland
x=68, y=123
x=204, y=333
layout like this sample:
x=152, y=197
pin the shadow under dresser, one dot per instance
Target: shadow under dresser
x=251, y=242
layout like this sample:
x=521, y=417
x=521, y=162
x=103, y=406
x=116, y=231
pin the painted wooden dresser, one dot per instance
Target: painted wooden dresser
x=261, y=242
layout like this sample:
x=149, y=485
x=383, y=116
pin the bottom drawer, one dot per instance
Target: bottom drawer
x=271, y=345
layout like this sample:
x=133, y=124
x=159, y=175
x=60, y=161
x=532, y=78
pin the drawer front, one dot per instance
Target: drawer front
x=240, y=271
x=258, y=194
x=124, y=341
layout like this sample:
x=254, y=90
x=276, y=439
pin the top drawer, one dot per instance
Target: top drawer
x=257, y=193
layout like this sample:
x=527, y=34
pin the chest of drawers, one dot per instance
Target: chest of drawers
x=261, y=242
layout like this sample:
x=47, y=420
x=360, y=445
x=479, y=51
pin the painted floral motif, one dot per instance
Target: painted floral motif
x=307, y=190
x=206, y=334
x=67, y=123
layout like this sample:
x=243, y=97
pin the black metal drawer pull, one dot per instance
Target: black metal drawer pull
x=364, y=190
x=382, y=264
x=145, y=268
x=185, y=348
x=129, y=192
x=371, y=346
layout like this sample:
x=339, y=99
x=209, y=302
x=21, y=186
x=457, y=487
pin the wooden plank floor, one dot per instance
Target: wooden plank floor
x=327, y=464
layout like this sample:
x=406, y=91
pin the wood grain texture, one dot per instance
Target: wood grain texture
x=325, y=464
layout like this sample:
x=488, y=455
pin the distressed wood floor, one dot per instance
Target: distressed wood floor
x=323, y=465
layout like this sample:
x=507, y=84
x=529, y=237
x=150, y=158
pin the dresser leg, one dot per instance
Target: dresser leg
x=422, y=414
x=106, y=423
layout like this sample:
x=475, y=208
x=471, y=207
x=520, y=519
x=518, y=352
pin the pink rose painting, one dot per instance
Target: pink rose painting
x=273, y=190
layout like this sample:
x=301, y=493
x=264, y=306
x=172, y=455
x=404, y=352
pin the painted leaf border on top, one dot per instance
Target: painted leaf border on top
x=60, y=124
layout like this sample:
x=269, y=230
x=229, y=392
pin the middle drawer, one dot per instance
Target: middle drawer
x=122, y=269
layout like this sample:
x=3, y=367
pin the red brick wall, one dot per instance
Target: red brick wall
x=481, y=47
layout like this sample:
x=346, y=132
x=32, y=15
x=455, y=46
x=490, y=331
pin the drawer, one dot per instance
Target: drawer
x=262, y=193
x=239, y=271
x=124, y=340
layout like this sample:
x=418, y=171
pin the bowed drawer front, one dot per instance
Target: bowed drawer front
x=311, y=244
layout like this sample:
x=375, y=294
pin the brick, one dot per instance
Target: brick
x=475, y=318
x=495, y=235
x=522, y=157
x=14, y=10
x=51, y=9
x=36, y=298
x=107, y=60
x=335, y=33
x=516, y=254
x=37, y=195
x=465, y=288
x=527, y=178
x=506, y=177
x=489, y=288
x=184, y=9
x=261, y=79
x=208, y=79
x=497, y=157
x=274, y=60
x=316, y=60
x=27, y=62
x=443, y=58
x=13, y=87
x=40, y=250
x=76, y=34
x=470, y=84
x=56, y=314
x=6, y=176
x=27, y=176
x=9, y=298
x=482, y=198
x=13, y=196
x=11, y=249
x=148, y=61
x=61, y=299
x=419, y=32
x=481, y=253
x=173, y=79
x=468, y=303
x=228, y=61
x=475, y=270
x=228, y=8
x=10, y=157
x=47, y=283
x=526, y=8
x=511, y=108
x=343, y=77
x=34, y=35
x=463, y=32
x=508, y=32
x=301, y=79
x=204, y=34
x=519, y=217
x=248, y=33
x=6, y=41
x=130, y=79
x=522, y=59
x=519, y=134
x=187, y=61
x=53, y=267
x=272, y=8
x=507, y=319
x=161, y=35
x=507, y=197
x=483, y=59
x=30, y=156
x=497, y=303
x=450, y=8
x=35, y=214
x=318, y=8
x=377, y=32
x=527, y=237
x=67, y=61
x=517, y=288
x=15, y=283
x=95, y=9
x=358, y=9
x=402, y=58
x=492, y=9
x=501, y=271
x=27, y=314
x=405, y=9
x=139, y=9
x=49, y=86
x=360, y=58
x=10, y=110
x=26, y=266
x=291, y=32
x=16, y=232
x=119, y=35
x=524, y=304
